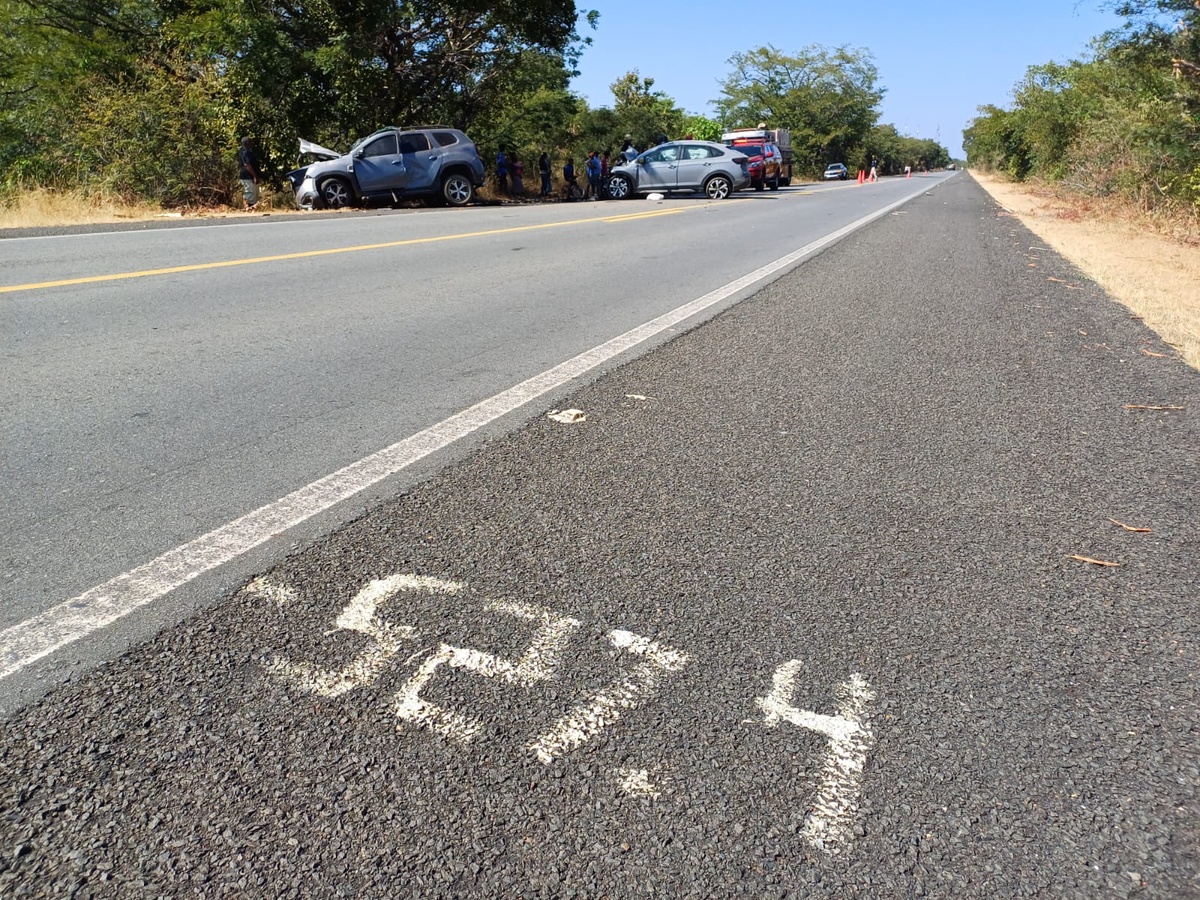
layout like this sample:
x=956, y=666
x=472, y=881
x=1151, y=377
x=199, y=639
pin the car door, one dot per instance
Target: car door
x=420, y=161
x=378, y=165
x=696, y=164
x=658, y=169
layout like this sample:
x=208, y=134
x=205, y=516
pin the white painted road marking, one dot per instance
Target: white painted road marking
x=589, y=719
x=359, y=615
x=537, y=664
x=39, y=636
x=827, y=826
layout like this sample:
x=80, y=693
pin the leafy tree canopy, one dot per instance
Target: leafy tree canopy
x=827, y=98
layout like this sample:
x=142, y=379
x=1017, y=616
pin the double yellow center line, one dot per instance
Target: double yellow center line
x=305, y=254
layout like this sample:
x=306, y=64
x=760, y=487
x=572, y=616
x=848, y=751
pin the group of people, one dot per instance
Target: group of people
x=596, y=171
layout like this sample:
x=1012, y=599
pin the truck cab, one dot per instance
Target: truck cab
x=772, y=166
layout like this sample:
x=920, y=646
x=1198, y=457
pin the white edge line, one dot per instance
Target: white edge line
x=39, y=636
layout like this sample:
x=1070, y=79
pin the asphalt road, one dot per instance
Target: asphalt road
x=795, y=610
x=162, y=384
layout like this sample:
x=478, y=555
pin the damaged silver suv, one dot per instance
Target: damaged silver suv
x=391, y=165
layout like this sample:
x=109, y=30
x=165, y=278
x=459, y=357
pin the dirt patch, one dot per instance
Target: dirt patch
x=1155, y=276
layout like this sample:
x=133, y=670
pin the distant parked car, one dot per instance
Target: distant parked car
x=391, y=165
x=836, y=172
x=714, y=169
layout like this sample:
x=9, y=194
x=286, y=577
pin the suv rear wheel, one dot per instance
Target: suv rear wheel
x=718, y=187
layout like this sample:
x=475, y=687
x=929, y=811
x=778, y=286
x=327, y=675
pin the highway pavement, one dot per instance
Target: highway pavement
x=881, y=582
x=185, y=405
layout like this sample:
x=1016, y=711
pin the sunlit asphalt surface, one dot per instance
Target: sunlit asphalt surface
x=878, y=468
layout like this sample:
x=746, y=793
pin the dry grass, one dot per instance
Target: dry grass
x=1151, y=265
x=42, y=208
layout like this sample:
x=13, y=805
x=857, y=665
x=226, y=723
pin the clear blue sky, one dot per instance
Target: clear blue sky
x=937, y=61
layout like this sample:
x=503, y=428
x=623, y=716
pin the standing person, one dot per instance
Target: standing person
x=628, y=150
x=874, y=176
x=569, y=178
x=518, y=177
x=544, y=172
x=502, y=171
x=248, y=172
x=593, y=177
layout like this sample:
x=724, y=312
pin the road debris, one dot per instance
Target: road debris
x=1128, y=527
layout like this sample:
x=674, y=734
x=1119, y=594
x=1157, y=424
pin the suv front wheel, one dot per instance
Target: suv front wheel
x=336, y=193
x=620, y=187
x=457, y=189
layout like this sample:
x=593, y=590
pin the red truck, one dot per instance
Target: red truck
x=771, y=166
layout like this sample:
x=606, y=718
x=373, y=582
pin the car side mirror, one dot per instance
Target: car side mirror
x=358, y=154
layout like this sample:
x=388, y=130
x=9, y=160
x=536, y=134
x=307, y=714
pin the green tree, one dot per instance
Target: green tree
x=327, y=70
x=642, y=112
x=827, y=98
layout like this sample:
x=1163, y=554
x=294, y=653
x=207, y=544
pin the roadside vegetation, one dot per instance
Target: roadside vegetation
x=1119, y=131
x=142, y=103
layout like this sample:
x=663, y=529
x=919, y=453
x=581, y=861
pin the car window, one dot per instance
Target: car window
x=697, y=152
x=445, y=138
x=384, y=145
x=663, y=154
x=750, y=149
x=413, y=143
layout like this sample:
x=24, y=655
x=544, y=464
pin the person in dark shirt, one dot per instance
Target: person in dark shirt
x=569, y=177
x=248, y=172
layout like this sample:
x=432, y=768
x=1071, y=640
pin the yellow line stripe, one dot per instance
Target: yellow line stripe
x=198, y=267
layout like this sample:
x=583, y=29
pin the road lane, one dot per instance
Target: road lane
x=792, y=612
x=151, y=410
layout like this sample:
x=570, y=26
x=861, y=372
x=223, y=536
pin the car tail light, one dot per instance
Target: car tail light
x=741, y=160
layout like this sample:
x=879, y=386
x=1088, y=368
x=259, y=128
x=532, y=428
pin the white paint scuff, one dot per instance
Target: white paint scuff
x=637, y=783
x=590, y=718
x=282, y=595
x=827, y=826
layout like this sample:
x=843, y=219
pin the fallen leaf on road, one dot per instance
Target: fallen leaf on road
x=1059, y=280
x=1128, y=527
x=1152, y=353
x=1138, y=406
x=1095, y=562
x=568, y=416
x=638, y=397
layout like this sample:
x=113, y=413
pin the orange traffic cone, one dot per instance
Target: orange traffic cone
x=862, y=176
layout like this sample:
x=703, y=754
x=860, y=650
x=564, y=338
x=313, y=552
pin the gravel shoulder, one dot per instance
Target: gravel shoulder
x=883, y=467
x=1156, y=277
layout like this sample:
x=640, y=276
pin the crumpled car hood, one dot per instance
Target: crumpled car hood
x=317, y=150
